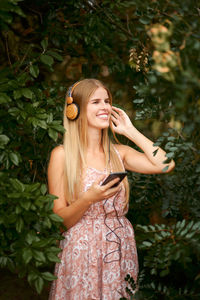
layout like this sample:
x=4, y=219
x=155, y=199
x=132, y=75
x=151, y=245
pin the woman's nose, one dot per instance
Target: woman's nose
x=104, y=104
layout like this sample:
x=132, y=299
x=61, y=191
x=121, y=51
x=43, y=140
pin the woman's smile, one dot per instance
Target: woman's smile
x=103, y=116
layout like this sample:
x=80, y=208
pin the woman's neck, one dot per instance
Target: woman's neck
x=94, y=141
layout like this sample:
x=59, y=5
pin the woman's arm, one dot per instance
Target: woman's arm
x=146, y=162
x=72, y=213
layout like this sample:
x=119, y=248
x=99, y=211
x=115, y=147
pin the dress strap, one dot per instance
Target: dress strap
x=119, y=156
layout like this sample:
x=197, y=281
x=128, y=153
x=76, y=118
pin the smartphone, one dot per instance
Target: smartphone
x=112, y=176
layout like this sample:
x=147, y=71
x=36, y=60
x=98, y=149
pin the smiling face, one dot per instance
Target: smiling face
x=99, y=109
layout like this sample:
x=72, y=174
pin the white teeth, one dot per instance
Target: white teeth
x=103, y=116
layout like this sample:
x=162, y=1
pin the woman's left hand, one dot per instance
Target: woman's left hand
x=120, y=121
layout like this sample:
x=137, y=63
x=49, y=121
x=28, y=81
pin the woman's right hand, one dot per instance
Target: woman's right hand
x=98, y=192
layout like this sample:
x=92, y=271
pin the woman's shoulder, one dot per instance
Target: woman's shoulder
x=58, y=153
x=120, y=148
x=123, y=150
x=57, y=161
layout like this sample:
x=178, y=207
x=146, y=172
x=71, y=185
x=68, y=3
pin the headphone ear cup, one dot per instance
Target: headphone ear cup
x=72, y=111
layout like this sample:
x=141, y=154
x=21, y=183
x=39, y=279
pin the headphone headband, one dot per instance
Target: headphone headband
x=69, y=97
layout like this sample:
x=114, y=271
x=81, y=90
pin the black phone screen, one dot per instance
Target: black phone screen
x=112, y=176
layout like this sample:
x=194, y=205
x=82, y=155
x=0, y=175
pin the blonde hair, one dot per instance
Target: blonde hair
x=75, y=141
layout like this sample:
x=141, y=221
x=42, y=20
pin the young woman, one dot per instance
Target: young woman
x=98, y=249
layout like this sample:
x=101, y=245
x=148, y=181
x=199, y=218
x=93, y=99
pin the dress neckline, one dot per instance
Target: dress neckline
x=99, y=171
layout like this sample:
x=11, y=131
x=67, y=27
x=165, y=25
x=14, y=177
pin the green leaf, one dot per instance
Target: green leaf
x=32, y=276
x=27, y=255
x=183, y=232
x=138, y=101
x=27, y=93
x=153, y=271
x=158, y=237
x=171, y=138
x=147, y=244
x=190, y=235
x=144, y=20
x=42, y=124
x=40, y=244
x=11, y=6
x=156, y=144
x=49, y=206
x=30, y=237
x=155, y=152
x=34, y=122
x=52, y=257
x=32, y=187
x=34, y=70
x=173, y=148
x=165, y=169
x=14, y=158
x=3, y=261
x=55, y=55
x=18, y=209
x=180, y=226
x=58, y=127
x=11, y=218
x=25, y=203
x=55, y=218
x=47, y=60
x=38, y=255
x=165, y=134
x=14, y=111
x=17, y=94
x=18, y=185
x=48, y=276
x=53, y=134
x=55, y=250
x=47, y=222
x=38, y=264
x=6, y=17
x=19, y=224
x=4, y=98
x=164, y=273
x=39, y=283
x=170, y=154
x=44, y=43
x=4, y=139
x=167, y=161
x=43, y=189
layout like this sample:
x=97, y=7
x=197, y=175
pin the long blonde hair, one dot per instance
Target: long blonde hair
x=75, y=141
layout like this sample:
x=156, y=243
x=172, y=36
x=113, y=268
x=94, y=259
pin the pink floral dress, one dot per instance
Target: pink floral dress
x=97, y=252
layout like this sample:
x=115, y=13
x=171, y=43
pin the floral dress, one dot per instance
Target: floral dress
x=97, y=252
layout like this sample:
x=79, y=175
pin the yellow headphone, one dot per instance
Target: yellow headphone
x=72, y=109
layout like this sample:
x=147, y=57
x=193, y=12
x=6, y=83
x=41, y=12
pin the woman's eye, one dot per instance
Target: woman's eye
x=107, y=101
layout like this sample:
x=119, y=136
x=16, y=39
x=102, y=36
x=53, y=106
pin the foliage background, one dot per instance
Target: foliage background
x=147, y=52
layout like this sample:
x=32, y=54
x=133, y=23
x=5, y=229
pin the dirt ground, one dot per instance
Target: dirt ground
x=14, y=288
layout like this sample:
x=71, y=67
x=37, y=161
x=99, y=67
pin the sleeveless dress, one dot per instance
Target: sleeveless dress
x=97, y=252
